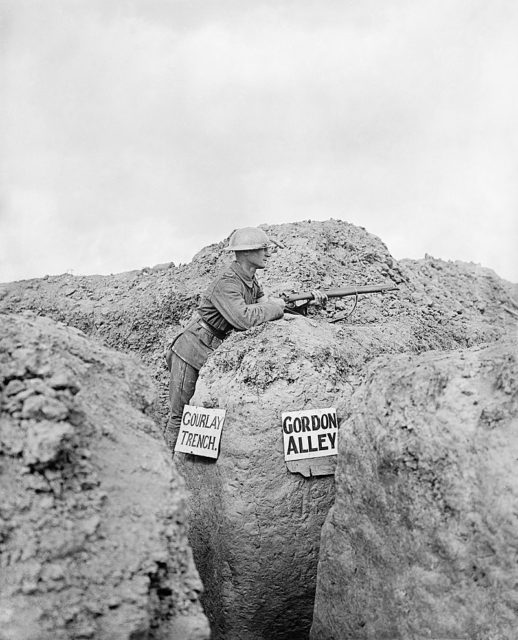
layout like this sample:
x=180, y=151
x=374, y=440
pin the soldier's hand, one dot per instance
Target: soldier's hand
x=319, y=298
x=280, y=301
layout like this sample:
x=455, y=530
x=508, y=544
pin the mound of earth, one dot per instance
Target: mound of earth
x=444, y=304
x=255, y=524
x=92, y=515
x=422, y=539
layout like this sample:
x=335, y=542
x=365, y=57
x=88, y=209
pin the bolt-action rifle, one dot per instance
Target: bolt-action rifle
x=299, y=301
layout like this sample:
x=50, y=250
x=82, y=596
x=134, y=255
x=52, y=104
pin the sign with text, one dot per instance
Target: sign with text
x=311, y=433
x=200, y=431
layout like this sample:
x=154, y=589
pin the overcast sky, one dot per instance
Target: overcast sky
x=138, y=132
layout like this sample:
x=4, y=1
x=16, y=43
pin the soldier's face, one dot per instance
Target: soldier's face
x=258, y=258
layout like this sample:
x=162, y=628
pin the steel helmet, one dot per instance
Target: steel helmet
x=248, y=239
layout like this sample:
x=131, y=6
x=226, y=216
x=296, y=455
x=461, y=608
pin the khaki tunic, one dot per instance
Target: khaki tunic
x=233, y=301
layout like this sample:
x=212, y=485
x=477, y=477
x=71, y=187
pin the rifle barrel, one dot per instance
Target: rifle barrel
x=348, y=291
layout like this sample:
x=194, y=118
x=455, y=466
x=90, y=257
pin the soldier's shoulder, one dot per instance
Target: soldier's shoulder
x=225, y=275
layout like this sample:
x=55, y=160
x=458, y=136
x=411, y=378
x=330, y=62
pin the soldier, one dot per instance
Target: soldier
x=234, y=301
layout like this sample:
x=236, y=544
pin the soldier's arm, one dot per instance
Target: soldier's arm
x=229, y=301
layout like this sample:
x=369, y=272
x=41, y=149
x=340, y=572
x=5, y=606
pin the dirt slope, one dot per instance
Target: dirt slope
x=92, y=515
x=237, y=503
x=422, y=539
x=444, y=304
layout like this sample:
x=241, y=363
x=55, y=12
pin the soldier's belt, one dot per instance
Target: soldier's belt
x=219, y=334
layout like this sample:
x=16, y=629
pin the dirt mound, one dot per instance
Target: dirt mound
x=422, y=539
x=255, y=525
x=92, y=536
x=444, y=304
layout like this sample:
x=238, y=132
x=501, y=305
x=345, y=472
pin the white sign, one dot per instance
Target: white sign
x=311, y=433
x=200, y=431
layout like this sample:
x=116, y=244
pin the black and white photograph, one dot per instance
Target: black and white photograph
x=258, y=320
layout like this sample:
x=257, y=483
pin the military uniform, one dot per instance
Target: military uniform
x=234, y=301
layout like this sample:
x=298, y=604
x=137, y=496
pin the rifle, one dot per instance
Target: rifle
x=307, y=296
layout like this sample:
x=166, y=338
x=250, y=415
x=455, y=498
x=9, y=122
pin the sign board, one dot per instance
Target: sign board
x=311, y=433
x=200, y=431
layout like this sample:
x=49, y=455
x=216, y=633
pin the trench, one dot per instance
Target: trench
x=258, y=564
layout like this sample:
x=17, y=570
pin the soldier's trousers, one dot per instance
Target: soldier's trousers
x=182, y=383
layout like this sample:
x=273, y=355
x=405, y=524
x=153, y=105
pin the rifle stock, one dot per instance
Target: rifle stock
x=341, y=293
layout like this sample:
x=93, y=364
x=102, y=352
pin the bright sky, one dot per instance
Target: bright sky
x=138, y=132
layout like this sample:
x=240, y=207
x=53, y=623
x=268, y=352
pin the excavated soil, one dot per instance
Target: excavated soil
x=254, y=525
x=444, y=304
x=422, y=541
x=92, y=514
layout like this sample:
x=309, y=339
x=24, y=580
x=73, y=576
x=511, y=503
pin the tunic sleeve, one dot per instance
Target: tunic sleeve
x=228, y=299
